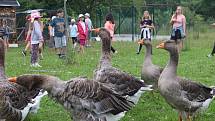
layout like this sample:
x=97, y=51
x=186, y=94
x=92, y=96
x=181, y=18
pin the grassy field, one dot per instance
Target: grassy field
x=193, y=64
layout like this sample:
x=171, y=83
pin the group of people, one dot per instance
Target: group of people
x=80, y=32
x=178, y=22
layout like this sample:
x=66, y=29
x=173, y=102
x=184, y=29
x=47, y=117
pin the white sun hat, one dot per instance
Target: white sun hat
x=72, y=20
x=80, y=15
x=87, y=14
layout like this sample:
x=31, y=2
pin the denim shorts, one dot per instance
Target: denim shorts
x=60, y=42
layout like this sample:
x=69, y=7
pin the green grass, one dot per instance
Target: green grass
x=193, y=64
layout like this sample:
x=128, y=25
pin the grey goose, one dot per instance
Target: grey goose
x=150, y=73
x=85, y=99
x=185, y=95
x=121, y=82
x=15, y=100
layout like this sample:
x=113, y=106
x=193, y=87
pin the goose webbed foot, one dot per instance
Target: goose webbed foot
x=179, y=116
x=188, y=117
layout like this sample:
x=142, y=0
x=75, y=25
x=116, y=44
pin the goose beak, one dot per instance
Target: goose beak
x=96, y=30
x=160, y=46
x=12, y=79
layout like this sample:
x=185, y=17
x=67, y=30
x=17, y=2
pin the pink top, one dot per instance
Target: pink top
x=82, y=31
x=179, y=21
x=110, y=27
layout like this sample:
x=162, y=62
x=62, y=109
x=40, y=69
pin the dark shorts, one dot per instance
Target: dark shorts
x=177, y=35
x=74, y=40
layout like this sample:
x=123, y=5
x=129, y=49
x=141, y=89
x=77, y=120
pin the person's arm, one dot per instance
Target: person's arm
x=184, y=25
x=141, y=25
x=150, y=26
x=173, y=19
x=51, y=26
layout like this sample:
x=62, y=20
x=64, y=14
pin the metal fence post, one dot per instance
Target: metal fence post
x=132, y=22
x=119, y=21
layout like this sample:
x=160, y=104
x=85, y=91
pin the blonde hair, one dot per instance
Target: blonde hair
x=149, y=17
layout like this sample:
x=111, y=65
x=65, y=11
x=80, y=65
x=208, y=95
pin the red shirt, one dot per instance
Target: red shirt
x=81, y=33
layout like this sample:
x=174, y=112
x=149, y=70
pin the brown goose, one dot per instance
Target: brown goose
x=150, y=72
x=122, y=82
x=87, y=100
x=15, y=100
x=184, y=95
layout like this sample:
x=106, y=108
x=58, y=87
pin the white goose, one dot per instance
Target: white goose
x=87, y=100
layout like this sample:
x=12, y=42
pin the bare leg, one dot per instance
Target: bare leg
x=58, y=51
x=81, y=48
x=27, y=46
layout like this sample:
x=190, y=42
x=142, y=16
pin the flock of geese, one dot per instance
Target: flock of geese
x=111, y=92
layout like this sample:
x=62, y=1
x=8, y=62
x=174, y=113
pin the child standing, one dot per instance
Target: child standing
x=36, y=37
x=82, y=32
x=146, y=26
x=73, y=32
x=109, y=25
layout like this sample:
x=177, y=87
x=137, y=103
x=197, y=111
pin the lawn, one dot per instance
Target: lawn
x=193, y=64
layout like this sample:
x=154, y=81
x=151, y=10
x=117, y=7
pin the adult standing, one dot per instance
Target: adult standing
x=178, y=22
x=58, y=24
x=89, y=25
x=82, y=32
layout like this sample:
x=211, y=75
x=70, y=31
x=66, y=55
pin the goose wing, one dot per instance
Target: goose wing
x=195, y=91
x=14, y=98
x=96, y=97
x=122, y=82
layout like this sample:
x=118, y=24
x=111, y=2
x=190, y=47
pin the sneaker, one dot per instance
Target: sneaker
x=24, y=53
x=62, y=56
x=32, y=65
x=37, y=65
x=115, y=52
x=137, y=53
x=209, y=55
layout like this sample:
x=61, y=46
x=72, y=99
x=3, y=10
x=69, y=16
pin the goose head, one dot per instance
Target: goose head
x=104, y=34
x=169, y=45
x=30, y=81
